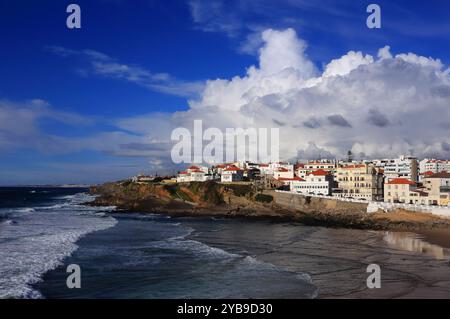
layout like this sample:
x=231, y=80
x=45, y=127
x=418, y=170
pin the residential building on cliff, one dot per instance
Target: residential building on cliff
x=283, y=172
x=434, y=165
x=232, y=174
x=319, y=182
x=438, y=188
x=322, y=164
x=402, y=167
x=360, y=181
x=403, y=190
x=195, y=174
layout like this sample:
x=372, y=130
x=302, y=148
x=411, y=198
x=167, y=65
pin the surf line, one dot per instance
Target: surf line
x=188, y=309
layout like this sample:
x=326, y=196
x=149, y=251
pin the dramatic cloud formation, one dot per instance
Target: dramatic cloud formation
x=375, y=106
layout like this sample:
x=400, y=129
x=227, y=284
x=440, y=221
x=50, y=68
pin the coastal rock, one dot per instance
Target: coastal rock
x=215, y=199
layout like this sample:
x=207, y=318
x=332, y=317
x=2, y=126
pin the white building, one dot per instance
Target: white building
x=195, y=174
x=232, y=174
x=142, y=178
x=403, y=190
x=434, y=165
x=265, y=169
x=438, y=186
x=300, y=170
x=402, y=167
x=424, y=175
x=322, y=164
x=318, y=182
x=282, y=172
x=220, y=167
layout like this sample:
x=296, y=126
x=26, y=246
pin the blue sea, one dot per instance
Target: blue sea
x=136, y=255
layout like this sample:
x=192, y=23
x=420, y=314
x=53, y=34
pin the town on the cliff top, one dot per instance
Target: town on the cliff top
x=224, y=154
x=386, y=184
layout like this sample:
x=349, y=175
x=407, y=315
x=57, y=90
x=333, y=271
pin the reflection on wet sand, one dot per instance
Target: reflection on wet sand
x=414, y=243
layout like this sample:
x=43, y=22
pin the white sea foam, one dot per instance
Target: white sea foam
x=243, y=264
x=41, y=240
x=25, y=210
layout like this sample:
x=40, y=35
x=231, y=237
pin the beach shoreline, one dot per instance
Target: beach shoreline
x=309, y=211
x=439, y=237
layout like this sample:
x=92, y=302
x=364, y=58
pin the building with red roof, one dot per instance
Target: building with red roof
x=320, y=172
x=195, y=173
x=401, y=190
x=401, y=181
x=285, y=171
x=232, y=174
x=318, y=182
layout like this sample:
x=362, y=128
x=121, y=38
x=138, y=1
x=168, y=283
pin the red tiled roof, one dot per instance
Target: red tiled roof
x=320, y=172
x=233, y=168
x=282, y=169
x=196, y=171
x=183, y=173
x=440, y=175
x=427, y=173
x=263, y=165
x=401, y=181
x=194, y=167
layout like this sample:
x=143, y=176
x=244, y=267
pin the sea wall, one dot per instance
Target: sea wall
x=310, y=204
x=442, y=211
x=324, y=204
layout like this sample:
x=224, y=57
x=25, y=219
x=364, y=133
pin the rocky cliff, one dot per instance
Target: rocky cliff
x=239, y=200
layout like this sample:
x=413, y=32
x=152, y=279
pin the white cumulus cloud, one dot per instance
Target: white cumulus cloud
x=376, y=107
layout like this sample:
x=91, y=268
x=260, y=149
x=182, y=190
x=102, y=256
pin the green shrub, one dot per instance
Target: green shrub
x=126, y=183
x=264, y=198
x=172, y=189
x=157, y=180
x=195, y=187
x=212, y=193
x=240, y=190
x=182, y=195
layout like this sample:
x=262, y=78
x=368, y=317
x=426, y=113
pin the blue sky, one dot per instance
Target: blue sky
x=71, y=91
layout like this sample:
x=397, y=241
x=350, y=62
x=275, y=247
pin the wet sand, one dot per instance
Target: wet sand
x=337, y=259
x=439, y=237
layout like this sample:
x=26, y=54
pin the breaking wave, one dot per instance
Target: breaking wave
x=34, y=240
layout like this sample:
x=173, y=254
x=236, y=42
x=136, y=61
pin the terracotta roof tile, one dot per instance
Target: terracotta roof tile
x=320, y=172
x=400, y=181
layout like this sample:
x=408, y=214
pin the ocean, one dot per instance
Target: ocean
x=135, y=255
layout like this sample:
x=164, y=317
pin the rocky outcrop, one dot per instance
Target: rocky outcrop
x=214, y=199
